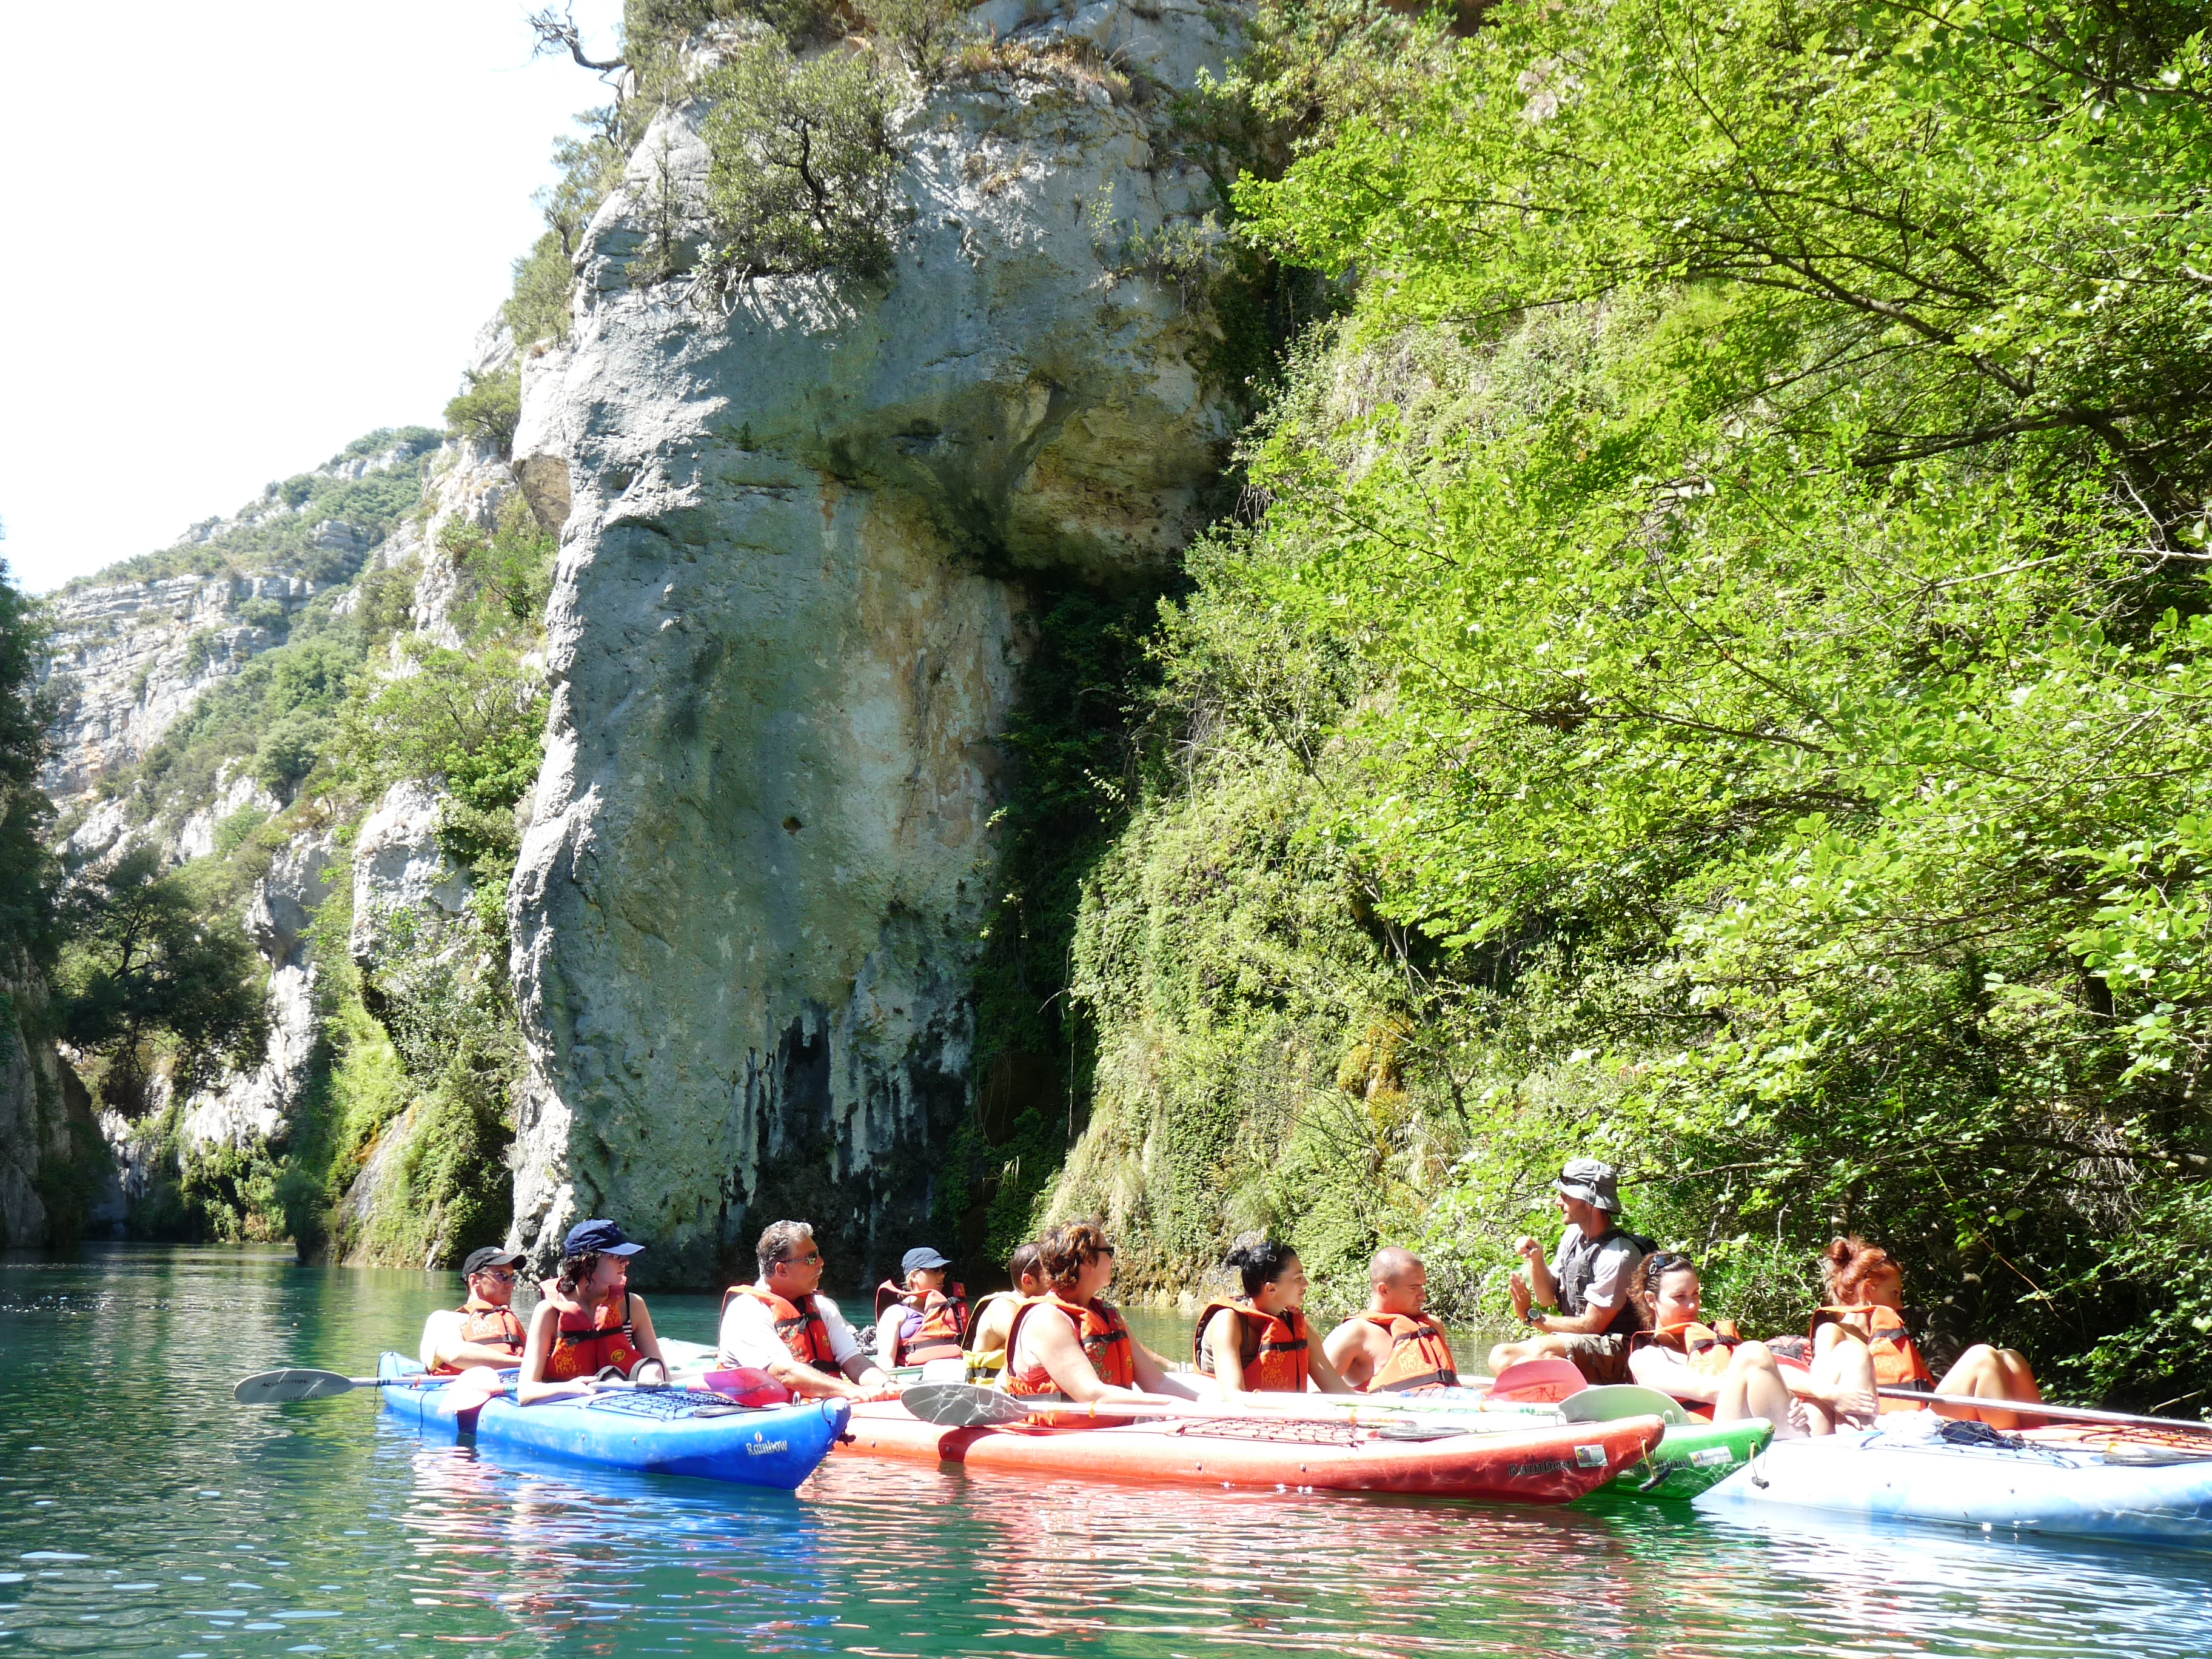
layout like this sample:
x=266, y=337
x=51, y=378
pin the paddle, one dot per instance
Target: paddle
x=975, y=1405
x=1610, y=1402
x=284, y=1388
x=289, y=1387
x=2036, y=1408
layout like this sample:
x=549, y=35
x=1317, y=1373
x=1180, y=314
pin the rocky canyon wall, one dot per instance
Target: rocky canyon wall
x=801, y=538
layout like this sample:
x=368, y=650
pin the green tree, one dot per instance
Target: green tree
x=489, y=408
x=145, y=979
x=802, y=165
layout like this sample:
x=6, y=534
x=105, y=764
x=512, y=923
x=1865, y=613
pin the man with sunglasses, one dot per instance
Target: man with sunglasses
x=484, y=1330
x=782, y=1324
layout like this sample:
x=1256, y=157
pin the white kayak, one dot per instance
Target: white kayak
x=2147, y=1487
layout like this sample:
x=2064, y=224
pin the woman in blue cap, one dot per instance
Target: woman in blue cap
x=924, y=1318
x=589, y=1324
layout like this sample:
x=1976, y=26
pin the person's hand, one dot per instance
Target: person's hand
x=1856, y=1404
x=1527, y=1249
x=1517, y=1288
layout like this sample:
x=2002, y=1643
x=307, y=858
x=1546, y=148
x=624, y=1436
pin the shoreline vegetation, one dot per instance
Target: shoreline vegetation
x=1700, y=663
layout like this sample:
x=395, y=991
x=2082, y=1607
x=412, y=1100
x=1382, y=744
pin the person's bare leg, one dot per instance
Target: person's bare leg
x=1990, y=1373
x=1546, y=1346
x=1754, y=1387
x=1848, y=1365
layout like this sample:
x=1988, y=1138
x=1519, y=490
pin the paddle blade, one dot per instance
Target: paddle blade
x=283, y=1388
x=1538, y=1380
x=1614, y=1400
x=967, y=1405
x=748, y=1386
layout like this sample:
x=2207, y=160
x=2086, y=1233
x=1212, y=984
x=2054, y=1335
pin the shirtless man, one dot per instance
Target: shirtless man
x=1394, y=1346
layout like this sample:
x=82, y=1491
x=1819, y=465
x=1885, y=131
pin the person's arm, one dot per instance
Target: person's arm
x=1601, y=1302
x=532, y=1386
x=1664, y=1370
x=1542, y=1281
x=887, y=1330
x=1153, y=1376
x=1224, y=1334
x=1326, y=1376
x=640, y=1332
x=1349, y=1351
x=855, y=1361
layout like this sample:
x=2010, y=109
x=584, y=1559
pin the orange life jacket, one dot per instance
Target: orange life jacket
x=1101, y=1330
x=585, y=1346
x=1708, y=1350
x=1898, y=1363
x=490, y=1327
x=935, y=1323
x=801, y=1329
x=1272, y=1347
x=1420, y=1355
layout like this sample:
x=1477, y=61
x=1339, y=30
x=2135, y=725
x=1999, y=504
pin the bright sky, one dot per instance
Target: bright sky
x=241, y=233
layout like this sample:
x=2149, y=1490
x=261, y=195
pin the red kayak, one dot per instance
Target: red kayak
x=1553, y=1464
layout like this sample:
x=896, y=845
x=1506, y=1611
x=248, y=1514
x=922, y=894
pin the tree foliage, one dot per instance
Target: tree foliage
x=146, y=978
x=802, y=166
x=1759, y=504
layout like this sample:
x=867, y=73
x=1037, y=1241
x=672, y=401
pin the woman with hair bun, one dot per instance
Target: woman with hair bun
x=1260, y=1341
x=1866, y=1304
x=1071, y=1340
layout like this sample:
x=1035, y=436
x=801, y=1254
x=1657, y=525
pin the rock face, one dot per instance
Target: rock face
x=130, y=658
x=42, y=1109
x=801, y=544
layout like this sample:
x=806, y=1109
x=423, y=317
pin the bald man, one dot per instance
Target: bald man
x=1394, y=1346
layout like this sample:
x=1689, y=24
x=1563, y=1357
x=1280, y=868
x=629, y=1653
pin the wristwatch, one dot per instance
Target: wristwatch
x=1531, y=1317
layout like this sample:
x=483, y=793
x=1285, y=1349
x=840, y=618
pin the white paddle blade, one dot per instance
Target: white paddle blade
x=283, y=1388
x=1615, y=1401
x=967, y=1405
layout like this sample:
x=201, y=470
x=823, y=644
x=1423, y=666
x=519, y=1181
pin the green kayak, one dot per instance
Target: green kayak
x=1692, y=1456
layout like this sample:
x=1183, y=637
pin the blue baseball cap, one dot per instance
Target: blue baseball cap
x=602, y=1237
x=920, y=1257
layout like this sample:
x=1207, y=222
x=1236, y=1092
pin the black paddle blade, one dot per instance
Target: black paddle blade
x=282, y=1387
x=968, y=1405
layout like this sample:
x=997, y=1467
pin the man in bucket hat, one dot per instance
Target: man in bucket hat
x=1576, y=1304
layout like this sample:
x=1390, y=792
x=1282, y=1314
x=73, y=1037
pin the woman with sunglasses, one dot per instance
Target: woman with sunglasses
x=484, y=1330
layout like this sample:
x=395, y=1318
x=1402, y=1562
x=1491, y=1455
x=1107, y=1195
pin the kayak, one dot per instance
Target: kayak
x=1694, y=1455
x=1533, y=1464
x=1692, y=1458
x=2144, y=1487
x=673, y=1430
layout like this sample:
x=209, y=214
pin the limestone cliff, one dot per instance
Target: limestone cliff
x=799, y=548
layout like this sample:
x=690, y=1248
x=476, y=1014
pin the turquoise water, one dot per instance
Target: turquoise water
x=142, y=1513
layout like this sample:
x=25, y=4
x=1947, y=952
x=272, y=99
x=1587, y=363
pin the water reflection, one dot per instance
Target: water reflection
x=140, y=1511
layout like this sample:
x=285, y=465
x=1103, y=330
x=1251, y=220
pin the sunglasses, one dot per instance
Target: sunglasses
x=812, y=1261
x=504, y=1275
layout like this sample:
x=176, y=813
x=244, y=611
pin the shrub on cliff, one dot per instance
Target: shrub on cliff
x=489, y=408
x=801, y=169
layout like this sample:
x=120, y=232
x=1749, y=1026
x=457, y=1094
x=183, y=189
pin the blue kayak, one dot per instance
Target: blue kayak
x=2067, y=1484
x=660, y=1432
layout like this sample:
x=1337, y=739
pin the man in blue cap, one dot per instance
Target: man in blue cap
x=1576, y=1303
x=921, y=1318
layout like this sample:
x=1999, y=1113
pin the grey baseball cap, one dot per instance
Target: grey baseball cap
x=1591, y=1181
